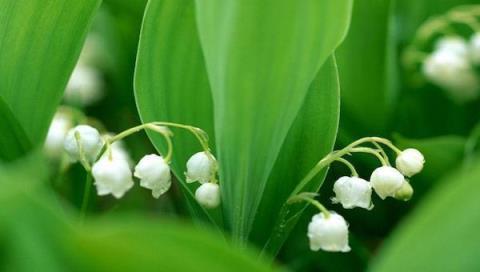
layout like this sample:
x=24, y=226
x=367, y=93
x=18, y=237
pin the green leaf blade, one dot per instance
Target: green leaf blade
x=261, y=60
x=311, y=137
x=171, y=83
x=14, y=142
x=442, y=233
x=39, y=45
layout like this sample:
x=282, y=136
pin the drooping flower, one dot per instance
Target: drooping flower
x=85, y=86
x=453, y=44
x=57, y=133
x=410, y=162
x=112, y=176
x=208, y=195
x=475, y=48
x=329, y=233
x=386, y=181
x=201, y=167
x=89, y=141
x=353, y=192
x=154, y=174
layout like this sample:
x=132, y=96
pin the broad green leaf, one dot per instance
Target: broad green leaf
x=14, y=142
x=311, y=137
x=366, y=67
x=261, y=58
x=40, y=41
x=171, y=82
x=26, y=235
x=442, y=233
x=117, y=245
x=38, y=233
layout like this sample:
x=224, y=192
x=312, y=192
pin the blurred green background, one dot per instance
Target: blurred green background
x=435, y=231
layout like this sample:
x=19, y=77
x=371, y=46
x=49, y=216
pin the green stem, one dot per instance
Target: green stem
x=349, y=165
x=194, y=130
x=312, y=201
x=369, y=150
x=463, y=18
x=333, y=156
x=154, y=126
x=81, y=152
x=382, y=152
x=86, y=196
x=167, y=138
x=385, y=142
x=443, y=25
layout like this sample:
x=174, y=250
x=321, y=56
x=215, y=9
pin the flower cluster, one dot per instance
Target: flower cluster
x=451, y=66
x=202, y=167
x=329, y=230
x=111, y=166
x=446, y=48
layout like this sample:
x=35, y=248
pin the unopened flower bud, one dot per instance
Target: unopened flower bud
x=328, y=233
x=57, y=132
x=386, y=181
x=353, y=192
x=208, y=195
x=405, y=192
x=201, y=167
x=112, y=176
x=410, y=162
x=154, y=174
x=89, y=141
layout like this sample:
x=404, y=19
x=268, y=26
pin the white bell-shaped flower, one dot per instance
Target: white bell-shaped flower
x=386, y=181
x=85, y=86
x=89, y=140
x=154, y=174
x=208, y=195
x=453, y=44
x=475, y=48
x=410, y=162
x=353, y=192
x=328, y=233
x=201, y=167
x=454, y=73
x=57, y=132
x=112, y=176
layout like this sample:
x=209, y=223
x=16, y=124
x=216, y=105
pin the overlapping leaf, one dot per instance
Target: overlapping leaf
x=442, y=234
x=171, y=82
x=38, y=233
x=14, y=142
x=261, y=59
x=39, y=44
x=311, y=137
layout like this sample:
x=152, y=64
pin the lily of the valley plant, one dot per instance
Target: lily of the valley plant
x=110, y=166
